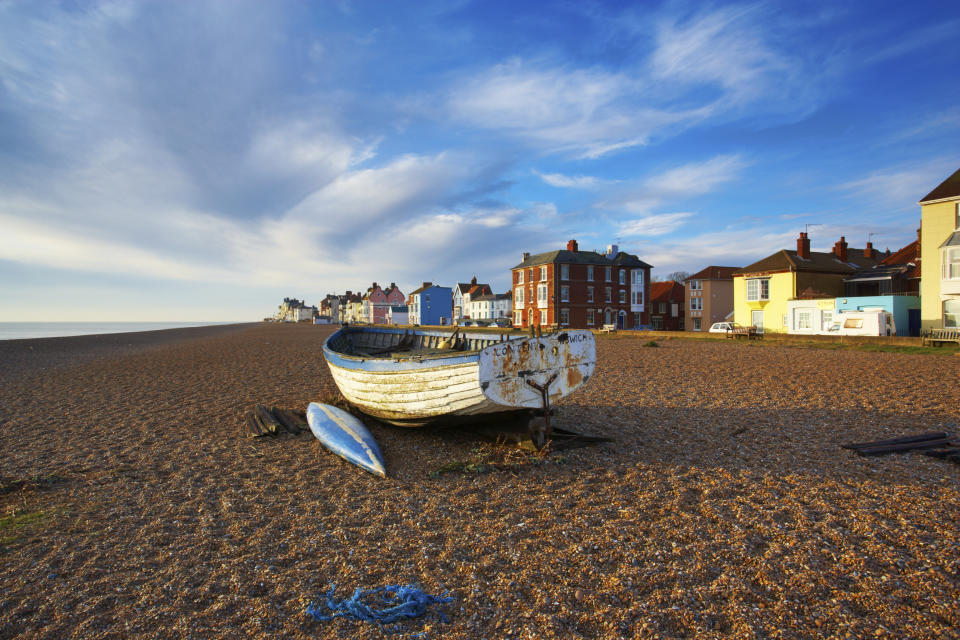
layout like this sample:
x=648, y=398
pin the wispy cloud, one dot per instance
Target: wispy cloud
x=655, y=225
x=573, y=182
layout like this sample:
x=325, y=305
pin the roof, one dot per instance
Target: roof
x=668, y=291
x=952, y=241
x=582, y=257
x=949, y=188
x=714, y=273
x=819, y=262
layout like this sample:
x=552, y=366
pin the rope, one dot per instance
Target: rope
x=402, y=602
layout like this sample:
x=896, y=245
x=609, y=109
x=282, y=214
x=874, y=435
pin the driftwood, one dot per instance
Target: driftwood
x=935, y=440
x=261, y=421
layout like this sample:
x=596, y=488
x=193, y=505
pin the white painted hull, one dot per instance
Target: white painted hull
x=417, y=394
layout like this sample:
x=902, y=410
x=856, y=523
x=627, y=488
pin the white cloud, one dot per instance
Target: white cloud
x=574, y=182
x=655, y=225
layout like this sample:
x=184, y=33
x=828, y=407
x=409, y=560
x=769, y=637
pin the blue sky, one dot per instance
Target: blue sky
x=176, y=161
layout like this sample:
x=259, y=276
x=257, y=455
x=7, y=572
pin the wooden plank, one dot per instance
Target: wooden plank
x=901, y=440
x=266, y=418
x=908, y=446
x=285, y=421
x=251, y=421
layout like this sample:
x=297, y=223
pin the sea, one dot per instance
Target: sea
x=23, y=330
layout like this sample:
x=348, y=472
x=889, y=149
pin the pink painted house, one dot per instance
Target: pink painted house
x=377, y=301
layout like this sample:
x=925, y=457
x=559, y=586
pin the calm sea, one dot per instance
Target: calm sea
x=21, y=330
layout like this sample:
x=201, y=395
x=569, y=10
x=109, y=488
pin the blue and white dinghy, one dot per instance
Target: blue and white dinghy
x=346, y=436
x=416, y=377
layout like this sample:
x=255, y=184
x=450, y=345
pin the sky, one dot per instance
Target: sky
x=200, y=161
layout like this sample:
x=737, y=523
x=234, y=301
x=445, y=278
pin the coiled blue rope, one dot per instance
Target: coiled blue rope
x=402, y=602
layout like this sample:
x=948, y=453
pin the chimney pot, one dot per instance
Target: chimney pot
x=868, y=252
x=526, y=254
x=803, y=246
x=572, y=246
x=840, y=249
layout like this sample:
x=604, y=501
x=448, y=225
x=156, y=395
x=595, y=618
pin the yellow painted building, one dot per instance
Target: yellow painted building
x=761, y=290
x=940, y=256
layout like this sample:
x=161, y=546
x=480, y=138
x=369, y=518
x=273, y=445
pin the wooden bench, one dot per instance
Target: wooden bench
x=609, y=328
x=750, y=333
x=940, y=336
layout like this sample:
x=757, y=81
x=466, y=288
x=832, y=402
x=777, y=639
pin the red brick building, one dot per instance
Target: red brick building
x=581, y=289
x=666, y=306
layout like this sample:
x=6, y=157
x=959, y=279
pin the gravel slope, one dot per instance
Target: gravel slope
x=725, y=508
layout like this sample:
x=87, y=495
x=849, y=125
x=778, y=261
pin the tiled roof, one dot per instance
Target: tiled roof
x=582, y=257
x=668, y=291
x=714, y=273
x=819, y=262
x=949, y=188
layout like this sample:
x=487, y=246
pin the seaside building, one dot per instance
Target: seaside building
x=491, y=306
x=376, y=301
x=761, y=290
x=398, y=315
x=294, y=310
x=709, y=297
x=666, y=306
x=940, y=255
x=581, y=289
x=462, y=294
x=431, y=304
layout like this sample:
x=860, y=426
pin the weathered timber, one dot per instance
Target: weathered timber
x=907, y=446
x=267, y=419
x=286, y=419
x=938, y=435
x=253, y=424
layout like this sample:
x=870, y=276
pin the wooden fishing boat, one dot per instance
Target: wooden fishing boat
x=416, y=377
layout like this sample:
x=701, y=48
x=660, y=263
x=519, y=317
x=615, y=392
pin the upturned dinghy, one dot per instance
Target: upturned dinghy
x=346, y=436
x=423, y=376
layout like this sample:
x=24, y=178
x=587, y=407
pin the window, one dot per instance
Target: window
x=589, y=294
x=638, y=278
x=636, y=297
x=696, y=304
x=696, y=324
x=564, y=294
x=663, y=307
x=531, y=274
x=589, y=273
x=623, y=276
x=520, y=276
x=696, y=285
x=543, y=273
x=564, y=272
x=956, y=224
x=564, y=317
x=826, y=319
x=623, y=296
x=951, y=263
x=427, y=296
x=804, y=319
x=608, y=273
x=518, y=318
x=542, y=294
x=853, y=323
x=609, y=294
x=589, y=317
x=543, y=317
x=951, y=314
x=758, y=289
x=657, y=323
x=519, y=296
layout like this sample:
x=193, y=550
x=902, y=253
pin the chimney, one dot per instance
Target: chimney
x=393, y=285
x=473, y=280
x=572, y=245
x=526, y=255
x=868, y=252
x=612, y=251
x=427, y=284
x=803, y=246
x=840, y=249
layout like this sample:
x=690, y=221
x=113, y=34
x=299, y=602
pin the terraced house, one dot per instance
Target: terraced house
x=761, y=290
x=581, y=289
x=940, y=256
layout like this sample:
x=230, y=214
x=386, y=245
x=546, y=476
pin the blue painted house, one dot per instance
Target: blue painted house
x=431, y=304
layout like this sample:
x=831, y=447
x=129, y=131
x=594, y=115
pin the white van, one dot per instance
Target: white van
x=863, y=323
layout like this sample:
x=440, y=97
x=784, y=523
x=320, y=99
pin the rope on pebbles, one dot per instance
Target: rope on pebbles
x=403, y=602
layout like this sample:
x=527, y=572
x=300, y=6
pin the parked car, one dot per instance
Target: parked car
x=722, y=327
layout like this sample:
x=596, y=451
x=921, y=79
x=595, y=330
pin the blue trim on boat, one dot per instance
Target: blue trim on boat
x=370, y=363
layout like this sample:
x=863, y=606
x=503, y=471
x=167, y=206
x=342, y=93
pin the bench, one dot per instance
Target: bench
x=750, y=333
x=609, y=328
x=940, y=336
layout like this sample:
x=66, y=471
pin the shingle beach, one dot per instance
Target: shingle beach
x=136, y=506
